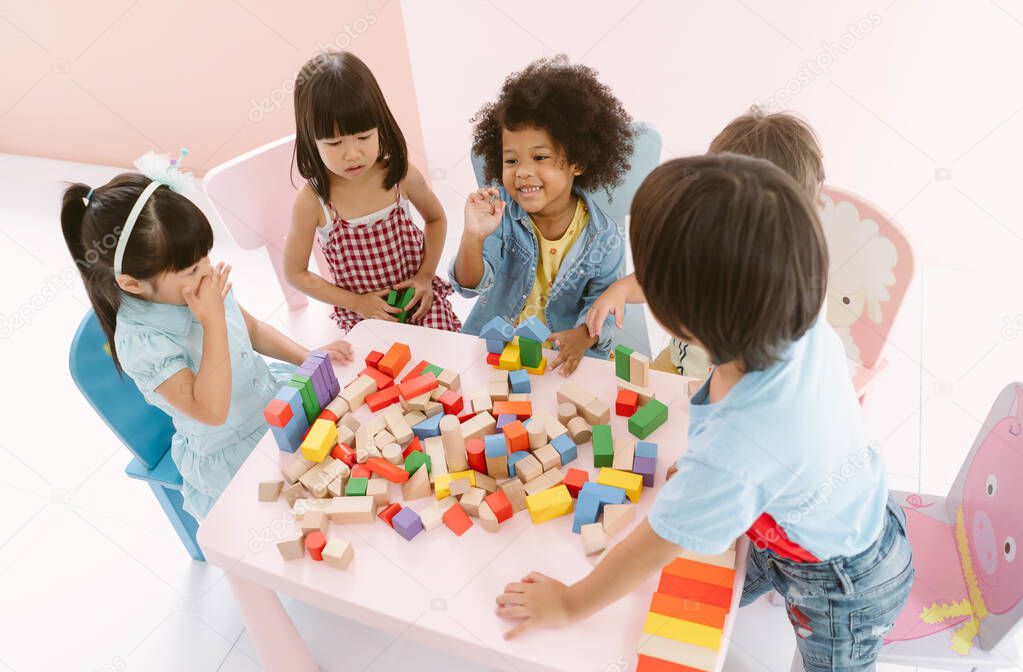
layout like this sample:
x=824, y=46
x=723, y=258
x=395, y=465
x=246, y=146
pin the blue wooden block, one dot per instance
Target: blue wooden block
x=566, y=448
x=429, y=427
x=407, y=523
x=504, y=419
x=518, y=382
x=292, y=396
x=646, y=449
x=495, y=346
x=498, y=329
x=513, y=459
x=494, y=445
x=587, y=507
x=608, y=494
x=533, y=328
x=289, y=437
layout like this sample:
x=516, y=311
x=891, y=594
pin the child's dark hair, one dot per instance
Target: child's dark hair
x=782, y=138
x=170, y=234
x=729, y=252
x=582, y=115
x=335, y=93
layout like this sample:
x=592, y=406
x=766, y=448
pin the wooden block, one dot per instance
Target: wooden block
x=338, y=553
x=639, y=369
x=631, y=483
x=517, y=397
x=594, y=538
x=454, y=443
x=459, y=486
x=434, y=447
x=692, y=656
x=384, y=469
x=625, y=452
x=345, y=435
x=457, y=520
x=293, y=493
x=395, y=359
x=451, y=402
x=551, y=424
x=488, y=521
x=420, y=403
x=437, y=393
x=498, y=391
x=471, y=501
x=336, y=488
x=645, y=394
x=485, y=482
x=445, y=504
x=350, y=421
x=418, y=386
x=498, y=466
x=545, y=481
x=379, y=490
x=566, y=411
x=579, y=430
x=482, y=402
x=292, y=548
x=695, y=590
x=618, y=518
x=528, y=468
x=516, y=436
x=574, y=480
x=701, y=571
x=726, y=559
x=269, y=491
x=647, y=419
x=418, y=485
x=442, y=482
x=520, y=409
x=413, y=418
x=397, y=425
x=682, y=631
x=384, y=398
x=499, y=505
x=537, y=434
x=515, y=491
x=450, y=380
x=356, y=392
x=688, y=610
x=548, y=456
x=549, y=504
x=347, y=510
x=339, y=407
x=314, y=520
x=577, y=395
x=392, y=453
x=626, y=403
x=596, y=412
x=303, y=507
x=322, y=436
x=431, y=517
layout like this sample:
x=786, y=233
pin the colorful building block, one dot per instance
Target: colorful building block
x=494, y=358
x=519, y=382
x=407, y=523
x=626, y=403
x=429, y=427
x=457, y=520
x=603, y=446
x=631, y=483
x=476, y=455
x=384, y=469
x=499, y=329
x=389, y=512
x=549, y=504
x=416, y=371
x=305, y=388
x=373, y=358
x=383, y=380
x=622, y=360
x=648, y=418
x=495, y=445
x=574, y=480
x=646, y=467
x=356, y=486
x=520, y=409
x=315, y=542
x=418, y=386
x=499, y=505
x=434, y=370
x=277, y=413
x=495, y=346
x=397, y=356
x=509, y=360
x=513, y=459
x=503, y=419
x=452, y=402
x=442, y=482
x=566, y=448
x=417, y=459
x=646, y=449
x=319, y=441
x=516, y=435
x=530, y=353
x=382, y=398
x=533, y=328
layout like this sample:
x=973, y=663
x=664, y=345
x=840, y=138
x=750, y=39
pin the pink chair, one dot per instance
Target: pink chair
x=871, y=267
x=253, y=195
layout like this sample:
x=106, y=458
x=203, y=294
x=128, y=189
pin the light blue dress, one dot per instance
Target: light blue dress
x=156, y=340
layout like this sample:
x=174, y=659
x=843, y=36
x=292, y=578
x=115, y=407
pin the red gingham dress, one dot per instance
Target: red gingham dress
x=378, y=255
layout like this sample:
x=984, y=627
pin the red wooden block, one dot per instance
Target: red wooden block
x=457, y=519
x=382, y=398
x=392, y=472
x=515, y=436
x=701, y=571
x=361, y=471
x=499, y=504
x=344, y=453
x=494, y=358
x=418, y=386
x=277, y=413
x=523, y=410
x=574, y=480
x=327, y=415
x=474, y=450
x=416, y=371
x=412, y=445
x=452, y=402
x=466, y=415
x=373, y=358
x=699, y=591
x=398, y=355
x=650, y=664
x=383, y=380
x=389, y=512
x=626, y=403
x=314, y=543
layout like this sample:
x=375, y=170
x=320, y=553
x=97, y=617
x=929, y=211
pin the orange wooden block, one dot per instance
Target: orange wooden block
x=701, y=571
x=398, y=355
x=516, y=436
x=523, y=410
x=277, y=413
x=315, y=543
x=384, y=397
x=326, y=414
x=384, y=381
x=648, y=664
x=418, y=386
x=689, y=589
x=457, y=519
x=416, y=371
x=494, y=358
x=385, y=469
x=688, y=610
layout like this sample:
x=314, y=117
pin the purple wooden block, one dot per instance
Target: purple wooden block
x=645, y=466
x=407, y=523
x=327, y=371
x=504, y=419
x=323, y=396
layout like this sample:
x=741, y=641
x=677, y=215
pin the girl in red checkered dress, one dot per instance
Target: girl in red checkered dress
x=356, y=202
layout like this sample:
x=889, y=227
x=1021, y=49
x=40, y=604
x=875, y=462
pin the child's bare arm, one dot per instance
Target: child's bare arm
x=270, y=342
x=435, y=230
x=546, y=602
x=483, y=211
x=612, y=302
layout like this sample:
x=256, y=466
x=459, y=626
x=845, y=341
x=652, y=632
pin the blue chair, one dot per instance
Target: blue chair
x=646, y=154
x=144, y=429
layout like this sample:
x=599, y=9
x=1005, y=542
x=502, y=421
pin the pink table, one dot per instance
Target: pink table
x=437, y=589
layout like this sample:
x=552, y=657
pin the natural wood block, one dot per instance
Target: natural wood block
x=379, y=490
x=269, y=491
x=314, y=520
x=292, y=548
x=566, y=411
x=548, y=456
x=594, y=538
x=528, y=468
x=338, y=553
x=471, y=501
x=515, y=491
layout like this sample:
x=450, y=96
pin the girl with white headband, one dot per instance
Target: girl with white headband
x=171, y=318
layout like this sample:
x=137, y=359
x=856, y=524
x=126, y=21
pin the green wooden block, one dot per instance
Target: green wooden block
x=648, y=418
x=434, y=369
x=310, y=405
x=530, y=352
x=405, y=296
x=356, y=487
x=417, y=459
x=603, y=446
x=622, y=354
x=392, y=298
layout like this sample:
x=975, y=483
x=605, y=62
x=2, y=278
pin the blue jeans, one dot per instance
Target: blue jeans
x=841, y=609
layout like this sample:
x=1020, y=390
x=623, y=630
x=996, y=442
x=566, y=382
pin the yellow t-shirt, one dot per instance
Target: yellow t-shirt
x=552, y=253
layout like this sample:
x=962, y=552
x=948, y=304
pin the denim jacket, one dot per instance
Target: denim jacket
x=510, y=257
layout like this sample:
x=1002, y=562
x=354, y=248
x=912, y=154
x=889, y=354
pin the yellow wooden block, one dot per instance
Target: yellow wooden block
x=549, y=504
x=683, y=631
x=538, y=371
x=510, y=357
x=322, y=437
x=683, y=653
x=631, y=483
x=442, y=483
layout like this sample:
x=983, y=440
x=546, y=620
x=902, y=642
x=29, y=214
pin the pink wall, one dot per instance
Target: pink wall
x=102, y=82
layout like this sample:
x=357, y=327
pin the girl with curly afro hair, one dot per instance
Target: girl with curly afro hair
x=535, y=244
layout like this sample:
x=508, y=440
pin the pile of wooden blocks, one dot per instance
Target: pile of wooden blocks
x=684, y=626
x=635, y=399
x=512, y=348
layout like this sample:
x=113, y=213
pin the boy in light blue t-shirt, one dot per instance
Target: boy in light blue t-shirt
x=730, y=255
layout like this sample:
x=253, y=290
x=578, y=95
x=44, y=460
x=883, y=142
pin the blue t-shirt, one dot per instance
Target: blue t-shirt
x=788, y=442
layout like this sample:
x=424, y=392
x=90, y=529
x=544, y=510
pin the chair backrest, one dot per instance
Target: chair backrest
x=144, y=429
x=871, y=268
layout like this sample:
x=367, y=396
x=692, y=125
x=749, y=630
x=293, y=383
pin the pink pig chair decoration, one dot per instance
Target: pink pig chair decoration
x=968, y=591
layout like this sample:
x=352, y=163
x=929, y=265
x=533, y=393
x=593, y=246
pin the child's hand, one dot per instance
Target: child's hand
x=483, y=210
x=206, y=301
x=572, y=345
x=374, y=305
x=423, y=295
x=539, y=599
x=612, y=301
x=338, y=351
